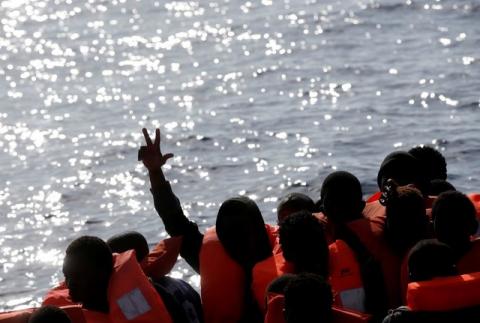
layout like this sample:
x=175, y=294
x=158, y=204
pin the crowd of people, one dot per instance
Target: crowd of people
x=407, y=254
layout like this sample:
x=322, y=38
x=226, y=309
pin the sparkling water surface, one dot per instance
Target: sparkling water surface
x=257, y=98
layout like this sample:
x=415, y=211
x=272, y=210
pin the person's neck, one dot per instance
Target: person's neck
x=98, y=304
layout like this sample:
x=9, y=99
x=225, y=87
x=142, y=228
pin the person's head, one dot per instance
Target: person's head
x=241, y=230
x=341, y=197
x=429, y=259
x=454, y=219
x=292, y=203
x=406, y=222
x=129, y=240
x=438, y=186
x=308, y=298
x=404, y=169
x=87, y=268
x=49, y=314
x=303, y=242
x=432, y=161
x=278, y=285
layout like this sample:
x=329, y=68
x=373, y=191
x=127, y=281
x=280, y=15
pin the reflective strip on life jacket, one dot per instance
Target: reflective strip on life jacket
x=131, y=296
x=342, y=315
x=161, y=259
x=265, y=272
x=276, y=304
x=345, y=277
x=222, y=282
x=445, y=294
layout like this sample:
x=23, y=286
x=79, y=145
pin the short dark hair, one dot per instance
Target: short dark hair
x=429, y=259
x=404, y=169
x=129, y=240
x=406, y=221
x=279, y=284
x=292, y=203
x=93, y=250
x=433, y=162
x=49, y=314
x=308, y=296
x=303, y=242
x=454, y=219
x=341, y=196
x=241, y=230
x=438, y=186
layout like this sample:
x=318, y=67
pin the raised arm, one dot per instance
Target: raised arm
x=166, y=203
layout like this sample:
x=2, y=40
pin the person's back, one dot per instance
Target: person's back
x=429, y=261
x=303, y=243
x=304, y=249
x=241, y=237
x=308, y=299
x=406, y=224
x=455, y=223
x=406, y=221
x=106, y=285
x=343, y=204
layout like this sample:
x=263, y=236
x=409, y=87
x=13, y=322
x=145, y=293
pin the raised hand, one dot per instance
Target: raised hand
x=151, y=155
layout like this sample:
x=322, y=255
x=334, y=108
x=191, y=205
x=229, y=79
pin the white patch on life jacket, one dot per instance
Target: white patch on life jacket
x=133, y=304
x=353, y=299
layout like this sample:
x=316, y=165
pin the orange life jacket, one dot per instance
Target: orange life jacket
x=327, y=226
x=265, y=272
x=161, y=259
x=445, y=294
x=345, y=277
x=475, y=198
x=374, y=197
x=158, y=263
x=470, y=262
x=75, y=313
x=370, y=233
x=428, y=203
x=20, y=316
x=58, y=296
x=276, y=304
x=222, y=280
x=131, y=296
x=272, y=232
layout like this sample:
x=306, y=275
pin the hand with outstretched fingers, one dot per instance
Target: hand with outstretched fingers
x=152, y=156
